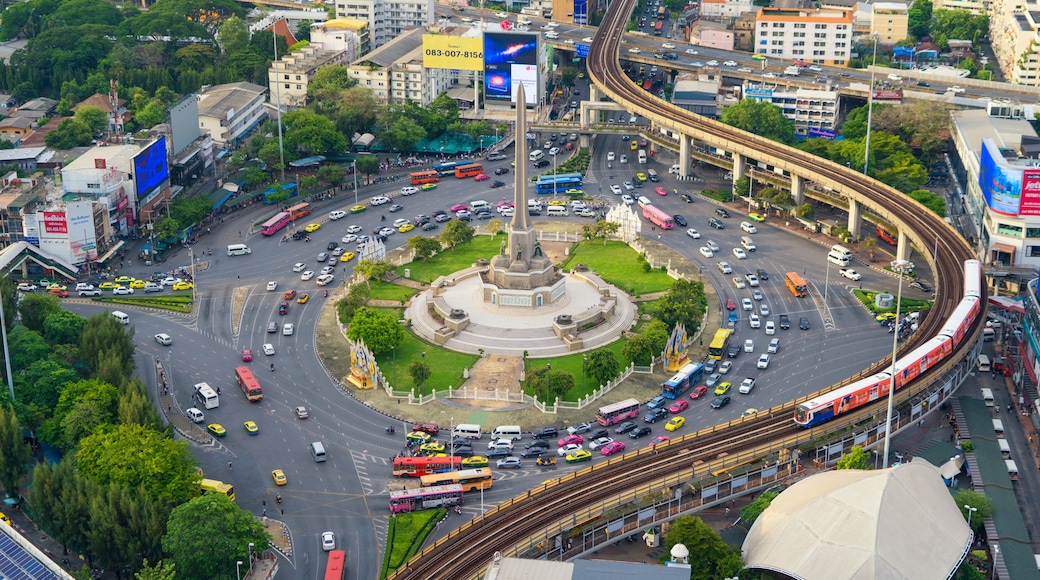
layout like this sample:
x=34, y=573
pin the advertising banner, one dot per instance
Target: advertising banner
x=815, y=132
x=151, y=167
x=32, y=229
x=891, y=95
x=54, y=224
x=510, y=58
x=1030, y=202
x=453, y=52
x=82, y=237
x=1001, y=185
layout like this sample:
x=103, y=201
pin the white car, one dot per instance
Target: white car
x=466, y=19
x=769, y=76
x=851, y=274
x=755, y=321
x=815, y=68
x=746, y=304
x=348, y=239
x=730, y=63
x=763, y=309
x=27, y=287
x=569, y=41
x=337, y=215
x=272, y=286
x=587, y=39
x=724, y=267
x=749, y=345
x=401, y=221
x=554, y=151
x=164, y=339
x=697, y=64
x=691, y=51
x=384, y=231
x=752, y=280
x=770, y=327
x=668, y=45
x=298, y=267
x=714, y=247
x=324, y=279
x=694, y=234
x=739, y=253
x=287, y=329
x=328, y=539
x=712, y=63
x=624, y=159
x=746, y=386
x=628, y=199
x=634, y=50
x=379, y=200
x=354, y=229
x=328, y=270
x=307, y=275
x=122, y=290
x=268, y=349
x=409, y=190
x=610, y=156
x=956, y=90
x=628, y=186
x=706, y=252
x=739, y=283
x=894, y=77
x=743, y=69
x=501, y=15
x=615, y=189
x=725, y=367
x=774, y=346
x=569, y=448
x=757, y=295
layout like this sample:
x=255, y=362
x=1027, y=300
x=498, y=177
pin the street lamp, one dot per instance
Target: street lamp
x=238, y=568
x=355, y=180
x=584, y=361
x=424, y=368
x=870, y=111
x=971, y=510
x=900, y=267
x=393, y=349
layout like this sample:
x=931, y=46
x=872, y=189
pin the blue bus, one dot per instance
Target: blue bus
x=559, y=183
x=683, y=380
x=449, y=167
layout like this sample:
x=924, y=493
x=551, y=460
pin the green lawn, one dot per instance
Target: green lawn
x=453, y=260
x=571, y=363
x=620, y=265
x=647, y=306
x=385, y=291
x=445, y=365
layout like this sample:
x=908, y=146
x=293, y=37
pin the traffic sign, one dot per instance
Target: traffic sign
x=583, y=50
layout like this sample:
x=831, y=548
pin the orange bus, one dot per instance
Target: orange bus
x=795, y=284
x=470, y=479
x=249, y=385
x=883, y=233
x=420, y=177
x=470, y=170
x=299, y=210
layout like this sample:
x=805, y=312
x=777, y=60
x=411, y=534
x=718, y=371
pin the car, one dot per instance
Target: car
x=628, y=186
x=762, y=274
x=164, y=339
x=596, y=434
x=668, y=45
x=743, y=69
x=428, y=186
x=283, y=308
x=894, y=77
x=654, y=415
x=408, y=191
x=749, y=345
x=312, y=227
x=135, y=284
x=920, y=285
x=337, y=214
x=534, y=451
x=324, y=279
x=752, y=280
x=577, y=456
x=379, y=200
x=710, y=365
x=570, y=440
x=675, y=423
x=328, y=541
x=723, y=387
x=59, y=292
x=625, y=427
x=615, y=189
x=769, y=76
x=396, y=208
x=724, y=267
x=785, y=322
x=612, y=448
x=554, y=151
x=691, y=51
x=660, y=191
x=432, y=447
x=272, y=327
x=481, y=177
x=698, y=392
x=475, y=461
x=628, y=199
x=754, y=321
x=119, y=280
x=29, y=287
x=734, y=349
x=122, y=290
x=540, y=444
x=251, y=427
x=763, y=309
x=745, y=303
x=357, y=208
x=307, y=275
x=268, y=349
x=403, y=229
x=739, y=282
x=679, y=406
x=803, y=323
x=757, y=295
x=731, y=304
x=658, y=401
x=725, y=367
x=600, y=442
x=287, y=329
x=697, y=64
x=763, y=360
x=770, y=327
x=747, y=385
x=216, y=429
x=545, y=432
x=720, y=402
x=851, y=274
x=501, y=452
x=730, y=63
x=712, y=380
x=579, y=428
x=569, y=448
x=639, y=432
x=739, y=253
x=634, y=50
x=695, y=235
x=509, y=463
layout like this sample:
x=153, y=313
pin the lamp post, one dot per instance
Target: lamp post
x=424, y=368
x=971, y=510
x=393, y=349
x=584, y=361
x=870, y=115
x=354, y=163
x=900, y=267
x=238, y=568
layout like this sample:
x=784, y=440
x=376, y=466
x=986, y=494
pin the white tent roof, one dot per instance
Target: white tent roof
x=892, y=523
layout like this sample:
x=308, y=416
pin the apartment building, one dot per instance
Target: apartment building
x=395, y=73
x=814, y=112
x=889, y=21
x=346, y=34
x=230, y=111
x=1015, y=37
x=724, y=10
x=289, y=76
x=821, y=36
x=387, y=19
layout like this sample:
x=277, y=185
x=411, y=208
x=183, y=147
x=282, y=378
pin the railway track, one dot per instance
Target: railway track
x=468, y=550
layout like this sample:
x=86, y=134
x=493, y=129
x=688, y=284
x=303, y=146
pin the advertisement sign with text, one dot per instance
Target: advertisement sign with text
x=453, y=52
x=82, y=237
x=1001, y=185
x=510, y=58
x=891, y=95
x=1030, y=202
x=54, y=223
x=32, y=229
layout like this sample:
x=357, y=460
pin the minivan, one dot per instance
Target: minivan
x=748, y=227
x=983, y=363
x=841, y=250
x=652, y=175
x=195, y=415
x=747, y=243
x=643, y=201
x=479, y=205
x=121, y=316
x=837, y=258
x=557, y=210
x=466, y=431
x=318, y=452
x=536, y=155
x=507, y=432
x=238, y=250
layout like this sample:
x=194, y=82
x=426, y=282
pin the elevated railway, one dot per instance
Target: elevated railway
x=468, y=550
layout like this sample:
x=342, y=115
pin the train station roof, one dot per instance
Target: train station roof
x=899, y=522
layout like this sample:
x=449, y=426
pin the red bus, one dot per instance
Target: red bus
x=883, y=233
x=420, y=466
x=271, y=226
x=658, y=217
x=299, y=210
x=658, y=28
x=336, y=569
x=470, y=170
x=420, y=177
x=249, y=385
x=618, y=412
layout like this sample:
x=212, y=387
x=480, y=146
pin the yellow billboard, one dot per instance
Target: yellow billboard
x=453, y=52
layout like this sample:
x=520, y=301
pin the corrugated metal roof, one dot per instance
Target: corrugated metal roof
x=614, y=570
x=393, y=52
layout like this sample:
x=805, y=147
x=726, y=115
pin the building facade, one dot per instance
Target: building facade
x=345, y=34
x=387, y=19
x=817, y=36
x=889, y=21
x=229, y=112
x=1015, y=39
x=289, y=76
x=815, y=113
x=724, y=10
x=395, y=72
x=18, y=198
x=105, y=175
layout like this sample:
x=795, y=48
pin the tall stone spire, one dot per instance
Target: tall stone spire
x=520, y=183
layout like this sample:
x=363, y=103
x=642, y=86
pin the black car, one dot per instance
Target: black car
x=680, y=220
x=534, y=452
x=721, y=212
x=501, y=452
x=923, y=84
x=686, y=197
x=803, y=323
x=463, y=451
x=715, y=223
x=502, y=171
x=496, y=184
x=921, y=285
x=720, y=402
x=437, y=212
x=625, y=427
x=596, y=434
x=537, y=443
x=330, y=246
x=429, y=227
x=639, y=432
x=785, y=322
x=545, y=433
x=655, y=414
x=541, y=163
x=733, y=351
x=762, y=274
x=533, y=211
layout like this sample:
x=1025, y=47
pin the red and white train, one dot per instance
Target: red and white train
x=908, y=367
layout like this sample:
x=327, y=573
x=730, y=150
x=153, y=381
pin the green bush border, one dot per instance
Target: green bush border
x=423, y=522
x=905, y=305
x=173, y=303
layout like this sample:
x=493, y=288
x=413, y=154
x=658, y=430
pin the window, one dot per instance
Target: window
x=1032, y=251
x=800, y=25
x=1033, y=232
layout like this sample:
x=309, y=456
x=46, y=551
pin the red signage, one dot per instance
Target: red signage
x=888, y=95
x=54, y=223
x=100, y=164
x=506, y=25
x=1029, y=203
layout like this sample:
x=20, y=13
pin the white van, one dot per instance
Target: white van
x=642, y=156
x=318, y=452
x=837, y=258
x=507, y=432
x=479, y=205
x=1005, y=449
x=466, y=431
x=195, y=415
x=643, y=201
x=982, y=363
x=988, y=335
x=748, y=227
x=536, y=155
x=238, y=250
x=552, y=35
x=674, y=169
x=987, y=396
x=121, y=316
x=633, y=119
x=842, y=250
x=557, y=211
x=747, y=243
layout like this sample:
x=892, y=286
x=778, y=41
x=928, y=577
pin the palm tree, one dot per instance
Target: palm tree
x=869, y=244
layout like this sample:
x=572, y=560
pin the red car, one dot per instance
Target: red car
x=679, y=406
x=283, y=308
x=459, y=207
x=482, y=177
x=568, y=440
x=730, y=304
x=660, y=439
x=430, y=428
x=698, y=392
x=799, y=63
x=612, y=448
x=642, y=142
x=247, y=355
x=289, y=295
x=660, y=190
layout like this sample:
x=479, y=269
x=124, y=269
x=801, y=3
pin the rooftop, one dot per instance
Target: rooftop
x=110, y=153
x=396, y=50
x=978, y=125
x=217, y=100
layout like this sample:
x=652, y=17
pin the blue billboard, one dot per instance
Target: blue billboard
x=151, y=167
x=510, y=59
x=1000, y=185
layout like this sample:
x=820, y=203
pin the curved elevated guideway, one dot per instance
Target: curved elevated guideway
x=467, y=551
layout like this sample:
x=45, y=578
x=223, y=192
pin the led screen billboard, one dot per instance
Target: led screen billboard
x=151, y=167
x=510, y=58
x=1008, y=190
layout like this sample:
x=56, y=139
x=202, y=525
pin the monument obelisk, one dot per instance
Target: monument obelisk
x=521, y=234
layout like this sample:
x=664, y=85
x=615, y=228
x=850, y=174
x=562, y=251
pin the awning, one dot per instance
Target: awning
x=1003, y=248
x=1005, y=303
x=111, y=251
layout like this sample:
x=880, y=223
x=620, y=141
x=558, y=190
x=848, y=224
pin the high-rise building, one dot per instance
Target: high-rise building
x=387, y=19
x=819, y=36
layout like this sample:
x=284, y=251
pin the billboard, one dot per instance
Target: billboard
x=510, y=58
x=82, y=237
x=32, y=229
x=184, y=122
x=817, y=133
x=1008, y=190
x=54, y=224
x=453, y=52
x=151, y=167
x=888, y=95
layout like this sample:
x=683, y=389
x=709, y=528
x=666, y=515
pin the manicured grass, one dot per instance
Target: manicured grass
x=445, y=365
x=620, y=265
x=450, y=261
x=384, y=291
x=647, y=306
x=905, y=305
x=174, y=302
x=406, y=534
x=571, y=363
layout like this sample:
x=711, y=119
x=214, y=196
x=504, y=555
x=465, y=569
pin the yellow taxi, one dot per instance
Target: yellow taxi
x=418, y=437
x=749, y=412
x=475, y=461
x=303, y=298
x=5, y=519
x=124, y=280
x=428, y=186
x=557, y=202
x=674, y=423
x=348, y=256
x=357, y=209
x=216, y=429
x=406, y=228
x=756, y=217
x=723, y=388
x=641, y=177
x=137, y=284
x=279, y=477
x=634, y=145
x=312, y=228
x=108, y=285
x=432, y=447
x=182, y=285
x=579, y=455
x=251, y=427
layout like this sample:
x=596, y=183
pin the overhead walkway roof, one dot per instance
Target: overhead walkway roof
x=12, y=257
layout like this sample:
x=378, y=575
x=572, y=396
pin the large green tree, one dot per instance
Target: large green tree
x=856, y=458
x=759, y=117
x=83, y=407
x=601, y=366
x=424, y=247
x=310, y=133
x=63, y=327
x=132, y=456
x=36, y=307
x=15, y=454
x=208, y=534
x=93, y=117
x=457, y=233
x=684, y=303
x=379, y=329
x=104, y=335
x=710, y=556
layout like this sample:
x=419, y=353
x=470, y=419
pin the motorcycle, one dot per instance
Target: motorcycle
x=382, y=218
x=272, y=367
x=390, y=430
x=326, y=293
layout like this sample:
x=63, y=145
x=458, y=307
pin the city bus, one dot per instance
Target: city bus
x=559, y=183
x=336, y=569
x=424, y=498
x=299, y=210
x=883, y=233
x=464, y=171
x=658, y=217
x=421, y=177
x=271, y=226
x=470, y=479
x=249, y=385
x=683, y=380
x=658, y=28
x=448, y=167
x=661, y=12
x=795, y=284
x=618, y=412
x=220, y=487
x=420, y=466
x=717, y=348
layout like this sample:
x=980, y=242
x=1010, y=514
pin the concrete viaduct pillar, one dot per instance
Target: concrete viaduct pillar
x=738, y=166
x=685, y=143
x=854, y=217
x=902, y=246
x=584, y=140
x=798, y=189
x=594, y=93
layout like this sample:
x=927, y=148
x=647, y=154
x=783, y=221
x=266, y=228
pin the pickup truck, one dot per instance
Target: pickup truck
x=850, y=274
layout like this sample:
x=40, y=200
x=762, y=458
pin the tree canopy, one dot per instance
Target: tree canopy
x=379, y=329
x=208, y=534
x=710, y=556
x=761, y=118
x=132, y=456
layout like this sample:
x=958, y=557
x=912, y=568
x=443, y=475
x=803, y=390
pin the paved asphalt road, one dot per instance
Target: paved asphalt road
x=347, y=493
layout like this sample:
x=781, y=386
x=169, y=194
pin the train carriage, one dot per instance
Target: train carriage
x=960, y=321
x=918, y=361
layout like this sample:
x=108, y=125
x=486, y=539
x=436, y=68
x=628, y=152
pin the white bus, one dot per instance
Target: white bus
x=206, y=395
